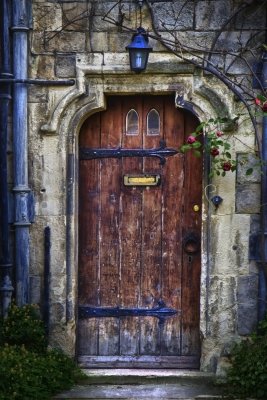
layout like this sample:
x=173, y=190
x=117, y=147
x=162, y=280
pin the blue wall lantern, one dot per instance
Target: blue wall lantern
x=139, y=50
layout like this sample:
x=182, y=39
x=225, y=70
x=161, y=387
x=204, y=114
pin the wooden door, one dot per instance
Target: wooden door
x=139, y=243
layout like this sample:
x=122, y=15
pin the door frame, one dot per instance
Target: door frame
x=65, y=120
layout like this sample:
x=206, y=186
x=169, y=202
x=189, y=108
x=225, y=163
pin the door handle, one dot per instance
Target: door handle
x=191, y=243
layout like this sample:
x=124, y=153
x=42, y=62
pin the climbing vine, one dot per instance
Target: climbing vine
x=216, y=143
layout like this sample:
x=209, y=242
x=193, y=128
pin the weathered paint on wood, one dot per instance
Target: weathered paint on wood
x=131, y=240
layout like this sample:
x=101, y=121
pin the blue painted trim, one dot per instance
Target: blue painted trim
x=22, y=192
x=6, y=288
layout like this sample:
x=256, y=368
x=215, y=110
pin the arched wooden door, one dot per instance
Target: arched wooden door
x=139, y=237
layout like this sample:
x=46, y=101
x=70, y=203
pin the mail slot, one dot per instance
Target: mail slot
x=141, y=180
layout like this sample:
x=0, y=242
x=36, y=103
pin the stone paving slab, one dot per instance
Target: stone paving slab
x=147, y=391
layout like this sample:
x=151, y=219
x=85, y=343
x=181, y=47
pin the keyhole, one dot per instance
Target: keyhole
x=190, y=259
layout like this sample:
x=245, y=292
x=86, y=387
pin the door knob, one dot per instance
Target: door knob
x=191, y=243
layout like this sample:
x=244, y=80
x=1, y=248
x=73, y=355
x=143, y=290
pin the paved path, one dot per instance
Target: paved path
x=145, y=384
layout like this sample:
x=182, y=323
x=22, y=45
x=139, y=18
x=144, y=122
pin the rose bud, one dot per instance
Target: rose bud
x=264, y=107
x=214, y=151
x=257, y=102
x=226, y=166
x=219, y=133
x=191, y=139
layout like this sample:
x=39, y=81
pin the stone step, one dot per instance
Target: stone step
x=144, y=376
x=145, y=384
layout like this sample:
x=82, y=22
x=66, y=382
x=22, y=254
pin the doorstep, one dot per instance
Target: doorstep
x=133, y=384
x=140, y=376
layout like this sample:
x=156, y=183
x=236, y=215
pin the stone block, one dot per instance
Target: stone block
x=233, y=41
x=221, y=307
x=244, y=163
x=255, y=222
x=75, y=16
x=37, y=94
x=38, y=44
x=57, y=312
x=196, y=40
x=178, y=15
x=38, y=115
x=47, y=16
x=65, y=41
x=42, y=67
x=247, y=302
x=249, y=19
x=212, y=14
x=117, y=43
x=98, y=41
x=99, y=25
x=35, y=289
x=248, y=198
x=114, y=12
x=65, y=66
x=236, y=66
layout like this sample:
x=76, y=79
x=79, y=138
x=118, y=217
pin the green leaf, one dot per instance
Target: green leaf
x=185, y=147
x=200, y=127
x=211, y=174
x=223, y=173
x=227, y=146
x=249, y=171
x=260, y=97
x=197, y=153
x=196, y=145
x=228, y=155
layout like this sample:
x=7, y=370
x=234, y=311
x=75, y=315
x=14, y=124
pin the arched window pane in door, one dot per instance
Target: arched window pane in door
x=132, y=123
x=153, y=122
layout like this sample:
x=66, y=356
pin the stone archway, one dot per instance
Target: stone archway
x=89, y=97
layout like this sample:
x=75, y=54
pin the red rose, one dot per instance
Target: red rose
x=264, y=106
x=257, y=102
x=191, y=139
x=226, y=166
x=214, y=151
x=219, y=133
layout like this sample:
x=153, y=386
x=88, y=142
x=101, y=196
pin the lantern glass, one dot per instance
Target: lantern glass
x=139, y=50
x=138, y=59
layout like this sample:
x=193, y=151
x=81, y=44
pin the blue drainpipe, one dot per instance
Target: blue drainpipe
x=263, y=270
x=6, y=287
x=21, y=190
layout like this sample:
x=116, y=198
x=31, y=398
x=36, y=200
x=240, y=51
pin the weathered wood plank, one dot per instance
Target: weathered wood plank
x=191, y=265
x=172, y=228
x=131, y=225
x=109, y=235
x=88, y=337
x=89, y=212
x=151, y=280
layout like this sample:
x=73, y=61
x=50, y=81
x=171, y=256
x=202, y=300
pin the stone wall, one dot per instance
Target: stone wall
x=70, y=39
